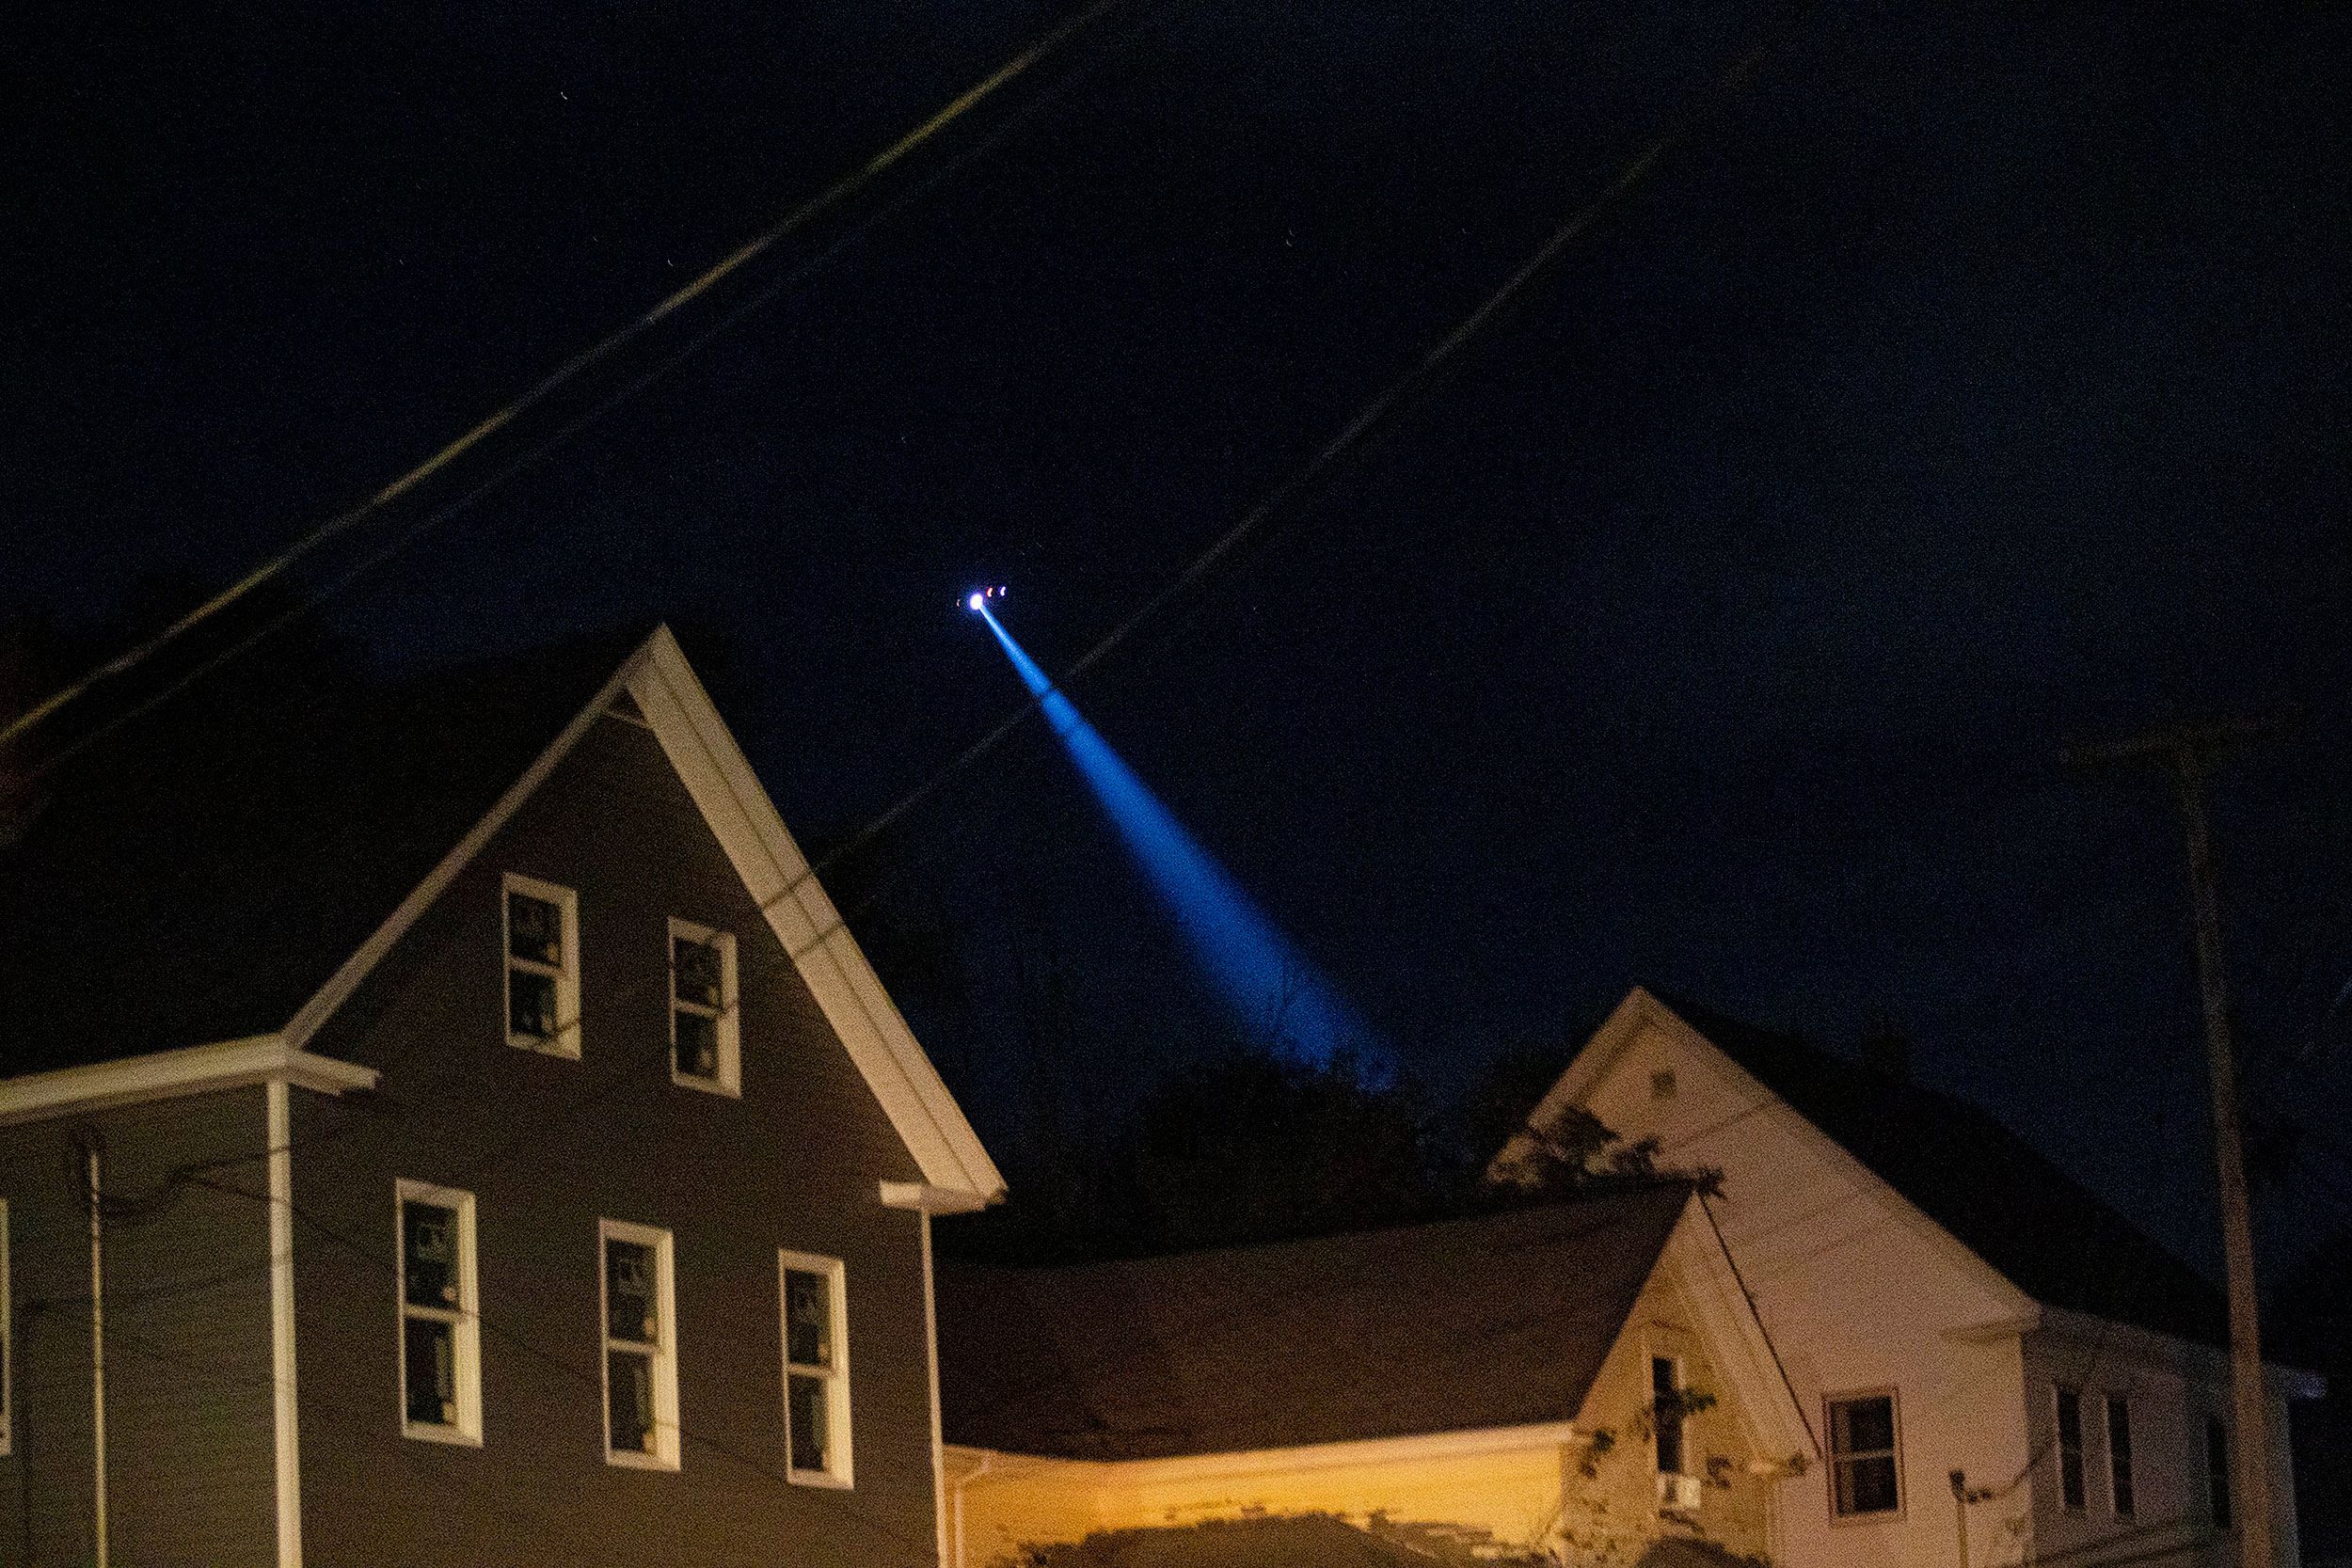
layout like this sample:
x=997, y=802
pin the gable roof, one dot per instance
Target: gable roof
x=1496, y=1321
x=270, y=839
x=1988, y=1188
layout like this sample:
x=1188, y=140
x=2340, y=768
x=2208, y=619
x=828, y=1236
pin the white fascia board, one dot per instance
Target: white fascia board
x=2129, y=1340
x=844, y=984
x=921, y=1197
x=170, y=1074
x=1418, y=1448
x=1737, y=1341
x=2003, y=1298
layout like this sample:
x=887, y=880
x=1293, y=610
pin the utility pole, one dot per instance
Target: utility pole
x=2187, y=750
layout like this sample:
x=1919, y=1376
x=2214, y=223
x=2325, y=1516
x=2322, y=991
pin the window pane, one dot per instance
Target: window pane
x=534, y=929
x=531, y=1005
x=697, y=1044
x=696, y=970
x=808, y=1318
x=1862, y=1426
x=2070, y=1437
x=2217, y=1470
x=1867, y=1485
x=810, y=1417
x=432, y=1392
x=1667, y=1408
x=429, y=1241
x=2119, y=1457
x=629, y=1292
x=631, y=1402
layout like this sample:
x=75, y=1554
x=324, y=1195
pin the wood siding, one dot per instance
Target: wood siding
x=549, y=1145
x=190, y=1459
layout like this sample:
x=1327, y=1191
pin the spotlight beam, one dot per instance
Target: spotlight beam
x=1258, y=971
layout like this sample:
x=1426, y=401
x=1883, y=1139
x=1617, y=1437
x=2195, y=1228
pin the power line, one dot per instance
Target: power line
x=563, y=373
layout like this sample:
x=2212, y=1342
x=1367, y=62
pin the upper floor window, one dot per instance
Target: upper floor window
x=542, y=966
x=2119, y=1493
x=639, y=1308
x=441, y=1327
x=2070, y=1446
x=1864, y=1472
x=2217, y=1471
x=706, y=1040
x=816, y=1369
x=1678, y=1488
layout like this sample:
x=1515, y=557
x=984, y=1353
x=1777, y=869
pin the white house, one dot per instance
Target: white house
x=1943, y=1301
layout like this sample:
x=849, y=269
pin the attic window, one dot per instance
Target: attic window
x=2072, y=1491
x=542, y=923
x=1865, y=1476
x=705, y=1036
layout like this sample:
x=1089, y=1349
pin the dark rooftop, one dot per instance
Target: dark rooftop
x=202, y=872
x=1500, y=1320
x=2004, y=1199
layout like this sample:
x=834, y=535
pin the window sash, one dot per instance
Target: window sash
x=1666, y=1419
x=723, y=1018
x=562, y=977
x=641, y=1415
x=1865, y=1483
x=454, y=1324
x=815, y=1392
x=2073, y=1490
x=2123, y=1497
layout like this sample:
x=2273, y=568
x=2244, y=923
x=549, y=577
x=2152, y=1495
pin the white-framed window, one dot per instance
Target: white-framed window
x=8, y=1344
x=542, y=931
x=1865, y=1456
x=705, y=1036
x=440, y=1325
x=637, y=1305
x=816, y=1369
x=2073, y=1493
x=2217, y=1476
x=2123, y=1497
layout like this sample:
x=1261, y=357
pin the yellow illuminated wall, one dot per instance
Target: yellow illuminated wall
x=1554, y=1491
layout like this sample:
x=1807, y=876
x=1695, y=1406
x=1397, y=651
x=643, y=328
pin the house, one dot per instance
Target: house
x=449, y=1124
x=1945, y=1302
x=1582, y=1376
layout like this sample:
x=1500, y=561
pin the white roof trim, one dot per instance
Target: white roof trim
x=922, y=1198
x=712, y=767
x=1625, y=1025
x=169, y=1074
x=846, y=988
x=1411, y=1449
x=1737, y=1342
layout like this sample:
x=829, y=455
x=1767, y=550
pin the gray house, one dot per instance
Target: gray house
x=453, y=1127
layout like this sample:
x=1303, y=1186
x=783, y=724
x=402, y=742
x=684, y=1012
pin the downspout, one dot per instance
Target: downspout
x=939, y=1445
x=96, y=1354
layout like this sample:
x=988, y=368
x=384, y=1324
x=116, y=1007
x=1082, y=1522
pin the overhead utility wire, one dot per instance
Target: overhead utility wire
x=531, y=457
x=799, y=218
x=1368, y=420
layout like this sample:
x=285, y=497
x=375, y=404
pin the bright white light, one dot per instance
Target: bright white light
x=972, y=603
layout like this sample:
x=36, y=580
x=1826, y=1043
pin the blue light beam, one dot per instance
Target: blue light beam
x=1259, y=972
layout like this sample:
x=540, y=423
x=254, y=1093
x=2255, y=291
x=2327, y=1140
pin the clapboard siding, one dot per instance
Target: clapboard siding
x=190, y=1455
x=549, y=1145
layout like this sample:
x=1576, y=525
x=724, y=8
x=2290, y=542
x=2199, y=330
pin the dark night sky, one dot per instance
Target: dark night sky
x=1978, y=381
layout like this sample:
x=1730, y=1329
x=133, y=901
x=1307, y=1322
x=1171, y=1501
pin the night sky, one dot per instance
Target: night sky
x=1978, y=381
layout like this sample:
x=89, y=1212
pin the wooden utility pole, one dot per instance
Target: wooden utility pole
x=2187, y=750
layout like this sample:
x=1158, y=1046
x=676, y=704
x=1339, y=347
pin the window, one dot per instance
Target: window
x=2217, y=1471
x=7, y=1349
x=2120, y=1496
x=2070, y=1446
x=706, y=1044
x=441, y=1327
x=1665, y=1384
x=1864, y=1472
x=639, y=1313
x=542, y=966
x=815, y=1370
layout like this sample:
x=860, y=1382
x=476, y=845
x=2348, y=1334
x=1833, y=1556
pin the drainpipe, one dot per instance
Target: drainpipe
x=97, y=1355
x=1962, y=1498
